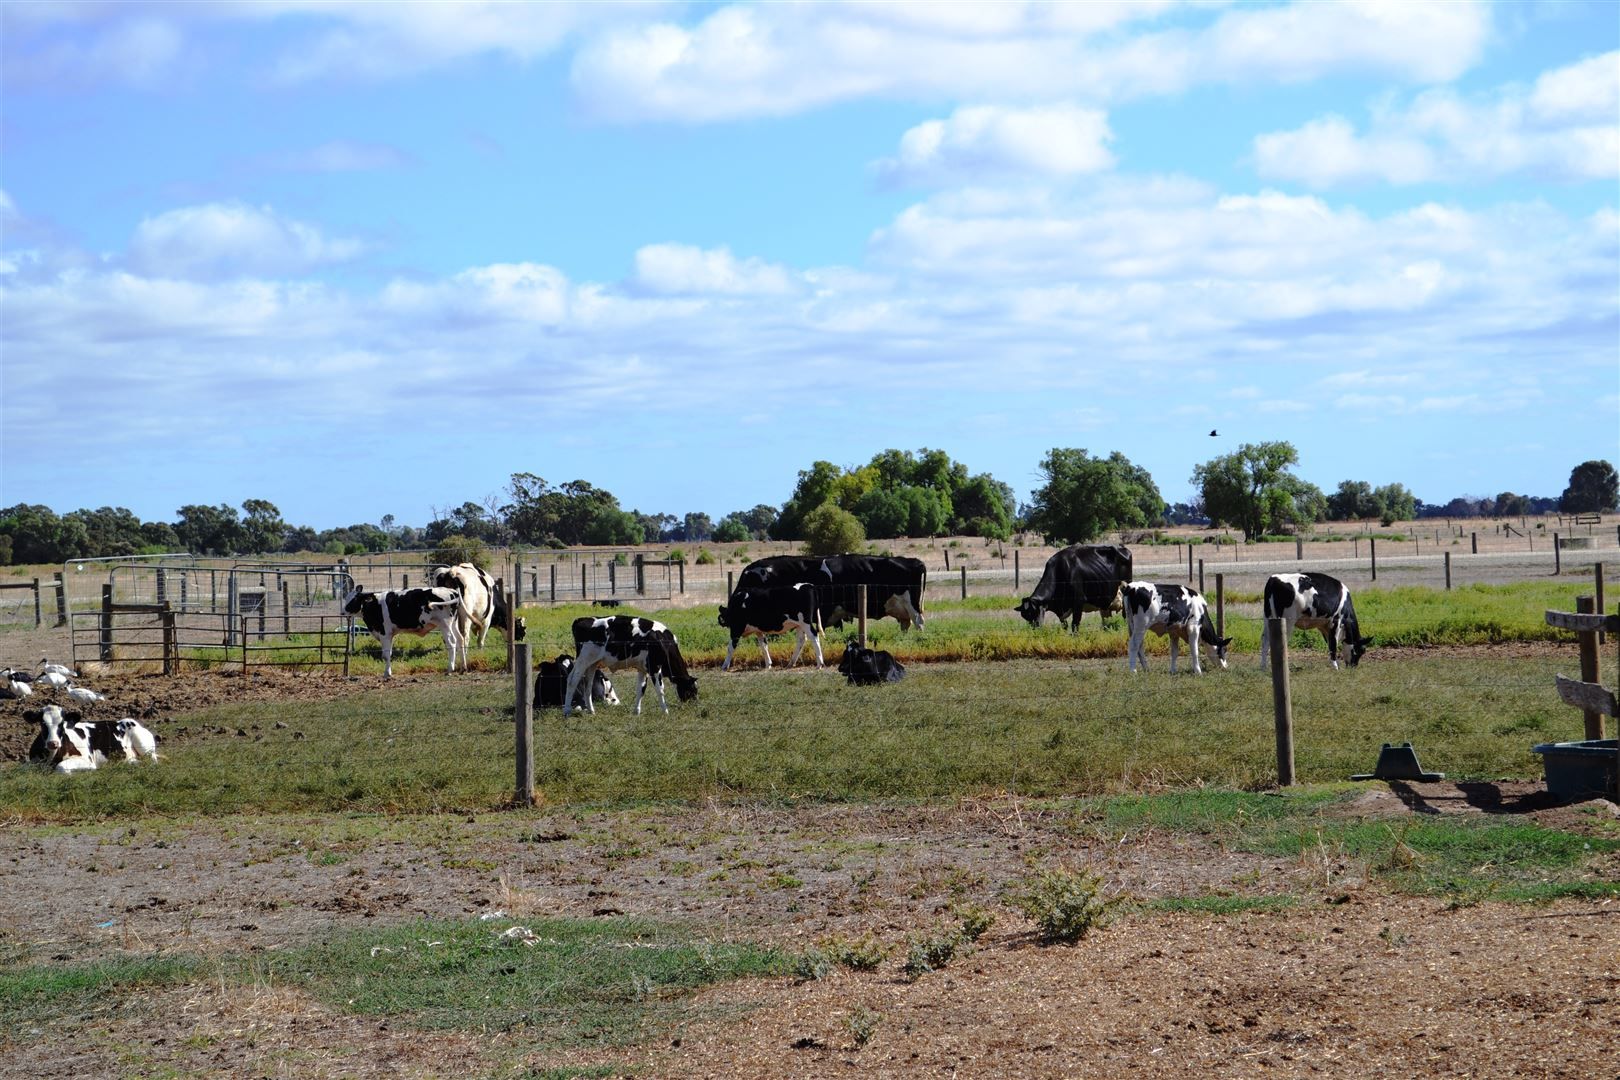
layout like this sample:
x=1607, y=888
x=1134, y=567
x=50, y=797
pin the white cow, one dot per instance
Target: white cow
x=408, y=611
x=1173, y=610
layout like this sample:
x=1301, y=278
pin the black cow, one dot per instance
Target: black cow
x=869, y=667
x=1081, y=577
x=1314, y=602
x=408, y=611
x=772, y=611
x=633, y=628
x=894, y=584
x=551, y=679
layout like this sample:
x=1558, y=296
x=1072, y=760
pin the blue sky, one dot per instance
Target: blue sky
x=363, y=259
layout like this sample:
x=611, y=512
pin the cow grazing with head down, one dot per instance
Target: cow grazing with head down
x=869, y=667
x=1172, y=610
x=894, y=584
x=1314, y=602
x=614, y=630
x=482, y=605
x=652, y=657
x=1080, y=578
x=766, y=611
x=408, y=611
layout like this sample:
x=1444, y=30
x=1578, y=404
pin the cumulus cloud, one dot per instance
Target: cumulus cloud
x=232, y=240
x=681, y=269
x=1566, y=127
x=987, y=141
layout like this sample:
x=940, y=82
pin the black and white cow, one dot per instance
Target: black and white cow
x=551, y=680
x=52, y=721
x=869, y=667
x=408, y=611
x=631, y=629
x=482, y=605
x=1313, y=601
x=652, y=656
x=894, y=584
x=1080, y=578
x=1173, y=610
x=772, y=611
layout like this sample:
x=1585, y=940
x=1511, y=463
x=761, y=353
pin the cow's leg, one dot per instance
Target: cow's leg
x=1175, y=646
x=641, y=688
x=1133, y=647
x=1192, y=647
x=798, y=650
x=730, y=649
x=815, y=640
x=574, y=677
x=658, y=685
x=388, y=656
x=1331, y=633
x=764, y=650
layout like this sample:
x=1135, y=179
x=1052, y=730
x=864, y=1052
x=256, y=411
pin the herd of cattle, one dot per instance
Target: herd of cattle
x=804, y=594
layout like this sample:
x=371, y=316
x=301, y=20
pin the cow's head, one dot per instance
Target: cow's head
x=520, y=629
x=724, y=611
x=685, y=688
x=1354, y=647
x=1031, y=610
x=1221, y=645
x=353, y=599
x=51, y=723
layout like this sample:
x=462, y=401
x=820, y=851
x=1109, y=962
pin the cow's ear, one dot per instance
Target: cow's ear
x=1225, y=641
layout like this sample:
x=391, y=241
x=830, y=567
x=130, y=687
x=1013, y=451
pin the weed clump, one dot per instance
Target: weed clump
x=1065, y=905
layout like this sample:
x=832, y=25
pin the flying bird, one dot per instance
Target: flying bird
x=1213, y=433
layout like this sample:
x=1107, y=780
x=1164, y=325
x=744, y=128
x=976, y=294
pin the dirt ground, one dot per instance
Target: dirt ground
x=1350, y=981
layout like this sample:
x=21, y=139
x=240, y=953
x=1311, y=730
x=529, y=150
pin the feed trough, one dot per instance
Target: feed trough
x=1579, y=770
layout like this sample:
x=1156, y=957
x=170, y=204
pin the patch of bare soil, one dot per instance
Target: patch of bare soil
x=1347, y=982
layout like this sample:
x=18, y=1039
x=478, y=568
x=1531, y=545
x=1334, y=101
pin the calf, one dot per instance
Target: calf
x=1314, y=602
x=138, y=739
x=869, y=667
x=88, y=744
x=408, y=611
x=1173, y=610
x=629, y=628
x=552, y=679
x=652, y=657
x=772, y=611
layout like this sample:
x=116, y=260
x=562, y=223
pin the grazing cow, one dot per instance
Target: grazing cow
x=772, y=611
x=894, y=584
x=1081, y=577
x=552, y=679
x=1314, y=602
x=52, y=721
x=651, y=656
x=869, y=667
x=607, y=629
x=408, y=611
x=1173, y=610
x=482, y=606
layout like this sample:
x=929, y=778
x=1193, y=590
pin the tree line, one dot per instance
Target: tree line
x=898, y=493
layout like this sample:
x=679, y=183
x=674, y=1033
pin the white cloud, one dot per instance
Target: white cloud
x=232, y=240
x=1567, y=127
x=681, y=269
x=46, y=46
x=981, y=141
x=774, y=60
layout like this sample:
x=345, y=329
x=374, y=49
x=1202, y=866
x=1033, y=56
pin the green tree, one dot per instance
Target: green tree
x=1353, y=501
x=1593, y=487
x=1508, y=504
x=732, y=529
x=831, y=530
x=109, y=531
x=816, y=485
x=39, y=536
x=1395, y=503
x=209, y=530
x=1253, y=490
x=984, y=506
x=1083, y=497
x=262, y=527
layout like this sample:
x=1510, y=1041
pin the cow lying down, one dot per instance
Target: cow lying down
x=868, y=667
x=68, y=743
x=552, y=679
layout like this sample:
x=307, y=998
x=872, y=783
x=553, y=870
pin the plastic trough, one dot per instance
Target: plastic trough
x=1579, y=770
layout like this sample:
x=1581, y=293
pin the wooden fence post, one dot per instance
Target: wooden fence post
x=1189, y=564
x=1597, y=581
x=1448, y=571
x=1015, y=571
x=964, y=581
x=1372, y=553
x=731, y=585
x=1586, y=605
x=1558, y=556
x=1220, y=605
x=1299, y=548
x=1282, y=707
x=61, y=599
x=860, y=622
x=106, y=622
x=1473, y=540
x=286, y=608
x=583, y=592
x=171, y=648
x=39, y=618
x=680, y=569
x=553, y=583
x=1200, y=575
x=523, y=722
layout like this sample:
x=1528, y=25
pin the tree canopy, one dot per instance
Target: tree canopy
x=1593, y=486
x=901, y=493
x=1083, y=497
x=1253, y=490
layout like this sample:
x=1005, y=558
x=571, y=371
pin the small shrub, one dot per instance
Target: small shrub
x=1065, y=905
x=975, y=920
x=862, y=955
x=455, y=550
x=677, y=555
x=704, y=558
x=862, y=1024
x=928, y=952
x=812, y=964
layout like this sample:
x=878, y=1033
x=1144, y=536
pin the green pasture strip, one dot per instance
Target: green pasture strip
x=565, y=982
x=1433, y=855
x=1218, y=904
x=33, y=995
x=1038, y=728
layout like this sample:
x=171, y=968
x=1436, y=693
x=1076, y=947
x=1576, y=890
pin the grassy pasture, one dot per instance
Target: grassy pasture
x=1032, y=727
